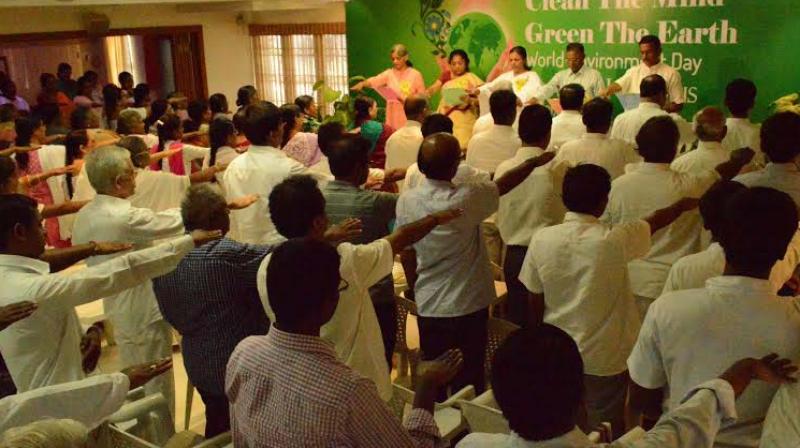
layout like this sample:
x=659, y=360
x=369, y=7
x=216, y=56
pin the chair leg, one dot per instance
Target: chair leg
x=189, y=397
x=402, y=369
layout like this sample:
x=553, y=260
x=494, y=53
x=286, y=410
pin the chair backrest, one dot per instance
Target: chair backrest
x=404, y=308
x=498, y=330
x=109, y=436
x=481, y=418
x=401, y=397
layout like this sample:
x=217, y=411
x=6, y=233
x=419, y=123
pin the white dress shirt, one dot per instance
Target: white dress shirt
x=590, y=79
x=258, y=171
x=354, y=329
x=706, y=157
x=581, y=267
x=743, y=133
x=44, y=349
x=225, y=155
x=693, y=424
x=107, y=218
x=454, y=276
x=525, y=85
x=534, y=204
x=486, y=150
x=648, y=187
x=627, y=124
x=691, y=336
x=783, y=177
x=632, y=78
x=782, y=425
x=89, y=401
x=403, y=145
x=567, y=126
x=464, y=174
x=598, y=149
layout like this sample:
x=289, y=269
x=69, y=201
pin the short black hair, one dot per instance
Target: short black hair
x=652, y=85
x=218, y=103
x=585, y=188
x=260, y=120
x=652, y=40
x=780, y=137
x=657, y=140
x=713, y=203
x=740, y=96
x=348, y=153
x=317, y=263
x=140, y=93
x=245, y=94
x=503, y=106
x=435, y=123
x=764, y=222
x=328, y=133
x=571, y=96
x=414, y=106
x=361, y=106
x=15, y=209
x=597, y=114
x=534, y=123
x=462, y=54
x=124, y=75
x=576, y=46
x=290, y=218
x=62, y=67
x=537, y=379
x=7, y=168
x=195, y=110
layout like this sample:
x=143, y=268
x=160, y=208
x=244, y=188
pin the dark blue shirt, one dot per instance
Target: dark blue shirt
x=212, y=300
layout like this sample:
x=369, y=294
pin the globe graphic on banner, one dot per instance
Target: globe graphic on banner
x=481, y=37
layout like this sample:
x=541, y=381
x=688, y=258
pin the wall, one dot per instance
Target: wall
x=710, y=45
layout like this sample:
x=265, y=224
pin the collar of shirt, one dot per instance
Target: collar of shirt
x=111, y=201
x=19, y=263
x=738, y=120
x=412, y=124
x=781, y=168
x=526, y=152
x=502, y=129
x=580, y=217
x=567, y=113
x=573, y=439
x=299, y=342
x=648, y=105
x=648, y=167
x=433, y=184
x=579, y=73
x=741, y=285
x=653, y=68
x=595, y=136
x=267, y=150
x=710, y=146
x=341, y=185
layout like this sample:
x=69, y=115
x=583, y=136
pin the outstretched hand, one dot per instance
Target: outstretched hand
x=743, y=155
x=344, y=231
x=201, y=237
x=142, y=373
x=243, y=202
x=15, y=312
x=111, y=248
x=442, y=369
x=770, y=369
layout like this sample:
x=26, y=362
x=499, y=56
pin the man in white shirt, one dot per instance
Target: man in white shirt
x=568, y=125
x=651, y=185
x=576, y=73
x=44, y=349
x=536, y=379
x=650, y=50
x=740, y=98
x=257, y=171
x=709, y=127
x=403, y=145
x=353, y=329
x=690, y=335
x=653, y=92
x=595, y=146
x=487, y=149
x=693, y=270
x=454, y=284
x=533, y=205
x=780, y=135
x=577, y=274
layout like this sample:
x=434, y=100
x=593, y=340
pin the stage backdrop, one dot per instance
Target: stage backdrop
x=709, y=41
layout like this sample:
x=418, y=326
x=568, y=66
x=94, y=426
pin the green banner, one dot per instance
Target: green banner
x=710, y=42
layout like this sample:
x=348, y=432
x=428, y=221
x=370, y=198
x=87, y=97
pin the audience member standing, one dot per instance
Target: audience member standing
x=403, y=146
x=500, y=142
x=740, y=98
x=710, y=129
x=568, y=125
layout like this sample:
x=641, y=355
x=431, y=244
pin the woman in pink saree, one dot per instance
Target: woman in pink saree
x=402, y=80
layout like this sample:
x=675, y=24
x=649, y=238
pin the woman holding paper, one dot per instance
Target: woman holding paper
x=523, y=81
x=395, y=85
x=456, y=102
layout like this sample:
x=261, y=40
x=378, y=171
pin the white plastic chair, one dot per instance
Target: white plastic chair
x=446, y=414
x=483, y=415
x=221, y=441
x=148, y=417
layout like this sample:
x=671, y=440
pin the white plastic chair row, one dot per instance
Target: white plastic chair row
x=446, y=414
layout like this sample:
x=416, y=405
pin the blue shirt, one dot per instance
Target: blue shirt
x=212, y=300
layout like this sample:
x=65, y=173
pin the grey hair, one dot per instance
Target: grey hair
x=48, y=433
x=140, y=153
x=199, y=207
x=126, y=119
x=708, y=129
x=400, y=50
x=104, y=165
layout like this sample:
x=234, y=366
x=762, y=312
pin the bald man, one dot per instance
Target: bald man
x=454, y=284
x=710, y=129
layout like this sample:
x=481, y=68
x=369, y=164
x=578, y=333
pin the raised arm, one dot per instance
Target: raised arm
x=60, y=259
x=411, y=233
x=663, y=217
x=516, y=176
x=64, y=208
x=739, y=158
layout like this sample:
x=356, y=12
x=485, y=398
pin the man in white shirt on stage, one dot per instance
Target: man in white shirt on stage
x=653, y=92
x=595, y=146
x=709, y=127
x=568, y=125
x=650, y=50
x=576, y=73
x=257, y=171
x=500, y=142
x=740, y=98
x=688, y=336
x=403, y=145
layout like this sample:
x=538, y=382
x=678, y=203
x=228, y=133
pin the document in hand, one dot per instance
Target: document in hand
x=629, y=100
x=387, y=93
x=452, y=97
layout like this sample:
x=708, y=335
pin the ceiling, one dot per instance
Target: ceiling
x=195, y=5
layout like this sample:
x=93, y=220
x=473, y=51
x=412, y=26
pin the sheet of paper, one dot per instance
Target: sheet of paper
x=452, y=97
x=629, y=100
x=387, y=93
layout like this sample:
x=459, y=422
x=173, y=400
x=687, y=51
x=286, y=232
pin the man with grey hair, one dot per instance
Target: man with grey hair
x=710, y=129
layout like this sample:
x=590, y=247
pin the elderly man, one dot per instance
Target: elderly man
x=710, y=129
x=403, y=145
x=650, y=50
x=454, y=286
x=576, y=73
x=212, y=300
x=44, y=349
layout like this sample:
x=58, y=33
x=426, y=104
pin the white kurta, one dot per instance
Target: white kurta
x=464, y=174
x=487, y=149
x=403, y=145
x=354, y=329
x=609, y=153
x=628, y=124
x=707, y=156
x=633, y=77
x=590, y=79
x=525, y=85
x=567, y=126
x=783, y=177
x=44, y=349
x=155, y=190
